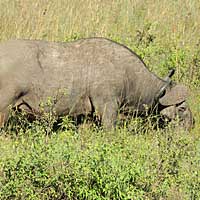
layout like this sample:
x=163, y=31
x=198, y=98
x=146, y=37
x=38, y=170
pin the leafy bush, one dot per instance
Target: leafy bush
x=92, y=164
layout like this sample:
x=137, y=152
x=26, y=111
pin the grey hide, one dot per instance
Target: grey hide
x=84, y=76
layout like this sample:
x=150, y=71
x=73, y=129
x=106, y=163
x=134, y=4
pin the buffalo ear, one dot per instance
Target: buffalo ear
x=174, y=95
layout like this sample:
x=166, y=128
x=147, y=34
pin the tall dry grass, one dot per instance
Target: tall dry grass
x=171, y=21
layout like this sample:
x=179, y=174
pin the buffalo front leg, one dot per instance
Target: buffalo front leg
x=109, y=116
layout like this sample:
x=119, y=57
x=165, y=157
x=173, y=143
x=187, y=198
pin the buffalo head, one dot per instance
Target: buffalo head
x=173, y=106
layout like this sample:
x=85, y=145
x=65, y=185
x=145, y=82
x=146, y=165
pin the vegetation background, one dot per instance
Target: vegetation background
x=136, y=161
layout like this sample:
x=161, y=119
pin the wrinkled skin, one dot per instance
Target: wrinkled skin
x=82, y=77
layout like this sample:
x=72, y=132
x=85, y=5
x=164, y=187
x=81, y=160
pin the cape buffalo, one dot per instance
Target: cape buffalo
x=94, y=75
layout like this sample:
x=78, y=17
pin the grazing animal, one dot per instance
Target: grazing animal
x=94, y=75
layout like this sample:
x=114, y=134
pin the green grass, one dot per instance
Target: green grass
x=92, y=164
x=132, y=163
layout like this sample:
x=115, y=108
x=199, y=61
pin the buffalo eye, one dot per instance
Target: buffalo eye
x=182, y=109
